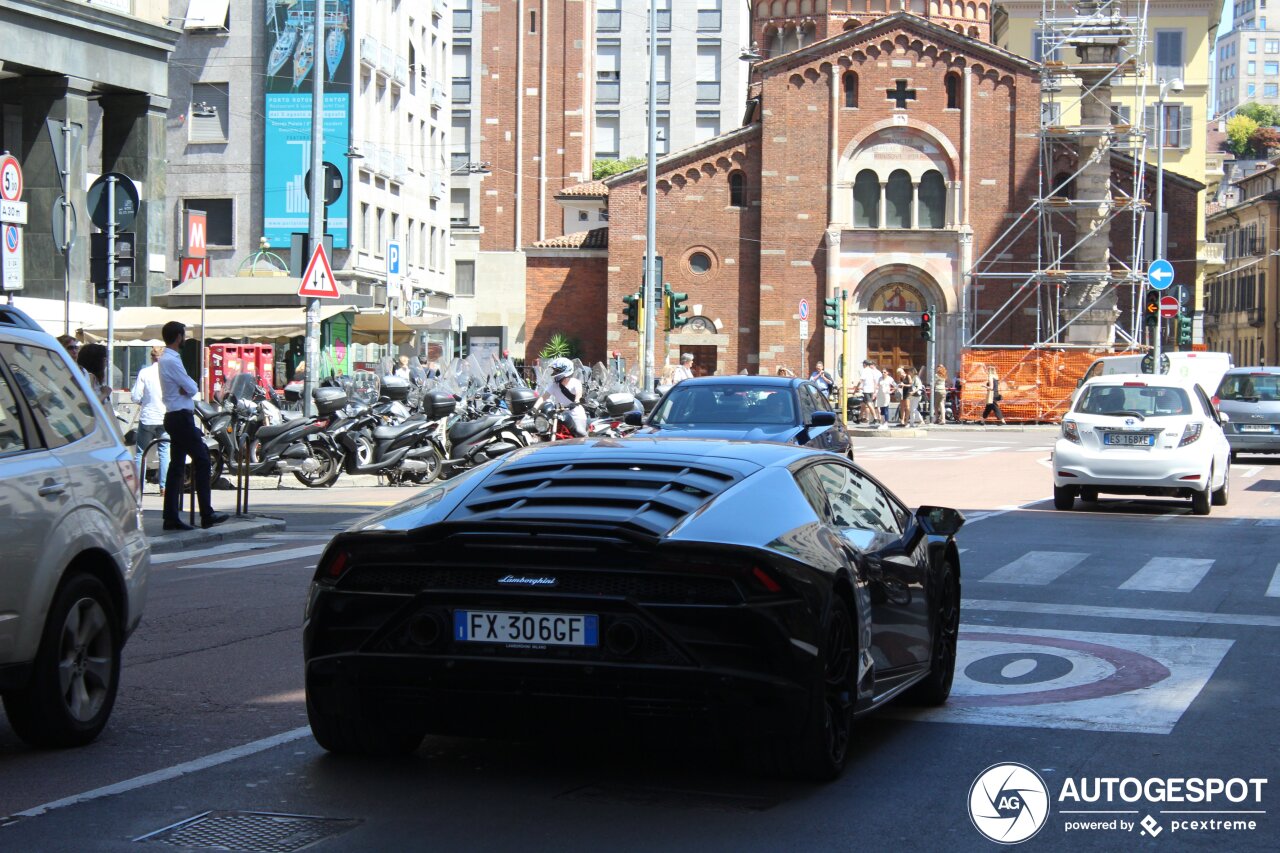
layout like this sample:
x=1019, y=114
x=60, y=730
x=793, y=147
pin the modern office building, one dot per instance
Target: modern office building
x=1248, y=61
x=88, y=80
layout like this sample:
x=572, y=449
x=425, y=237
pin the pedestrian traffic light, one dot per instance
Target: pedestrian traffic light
x=1151, y=310
x=1184, y=330
x=926, y=324
x=831, y=312
x=676, y=309
x=631, y=311
x=99, y=263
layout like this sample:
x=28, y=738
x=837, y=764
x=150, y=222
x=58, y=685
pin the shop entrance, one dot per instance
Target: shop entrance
x=896, y=346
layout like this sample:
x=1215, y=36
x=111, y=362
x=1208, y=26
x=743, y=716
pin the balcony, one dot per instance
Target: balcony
x=387, y=60
x=1257, y=316
x=610, y=20
x=608, y=91
x=439, y=186
x=458, y=161
x=437, y=94
x=708, y=20
x=708, y=93
x=1212, y=254
x=400, y=169
x=369, y=51
x=461, y=90
x=439, y=8
x=462, y=20
x=1210, y=321
x=401, y=73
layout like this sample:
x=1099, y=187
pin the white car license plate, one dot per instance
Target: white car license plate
x=1130, y=439
x=1255, y=427
x=544, y=629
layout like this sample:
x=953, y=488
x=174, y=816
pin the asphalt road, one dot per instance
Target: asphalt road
x=1126, y=639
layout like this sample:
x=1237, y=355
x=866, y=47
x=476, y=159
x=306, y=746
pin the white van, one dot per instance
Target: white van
x=1206, y=369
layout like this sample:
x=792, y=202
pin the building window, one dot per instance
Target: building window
x=897, y=196
x=608, y=73
x=1121, y=114
x=606, y=147
x=952, y=83
x=664, y=132
x=1271, y=46
x=1177, y=126
x=699, y=263
x=208, y=119
x=933, y=200
x=464, y=278
x=1253, y=46
x=737, y=189
x=460, y=141
x=1253, y=68
x=1270, y=90
x=707, y=127
x=461, y=73
x=664, y=73
x=201, y=14
x=708, y=73
x=849, y=82
x=608, y=16
x=1271, y=69
x=461, y=16
x=708, y=15
x=866, y=200
x=664, y=16
x=220, y=223
x=1169, y=64
x=460, y=206
x=1252, y=89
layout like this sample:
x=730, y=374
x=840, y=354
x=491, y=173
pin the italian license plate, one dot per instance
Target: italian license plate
x=542, y=629
x=1130, y=439
x=1255, y=428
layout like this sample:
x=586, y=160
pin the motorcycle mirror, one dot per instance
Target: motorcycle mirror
x=633, y=419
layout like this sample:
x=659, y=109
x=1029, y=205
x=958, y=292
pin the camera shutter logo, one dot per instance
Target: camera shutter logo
x=1008, y=803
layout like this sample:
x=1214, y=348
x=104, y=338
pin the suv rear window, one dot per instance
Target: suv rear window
x=1250, y=387
x=62, y=411
x=1146, y=400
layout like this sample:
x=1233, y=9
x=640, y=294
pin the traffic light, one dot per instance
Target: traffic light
x=631, y=312
x=1151, y=310
x=676, y=309
x=1184, y=330
x=99, y=272
x=831, y=312
x=926, y=324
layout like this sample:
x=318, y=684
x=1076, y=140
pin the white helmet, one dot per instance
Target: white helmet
x=561, y=368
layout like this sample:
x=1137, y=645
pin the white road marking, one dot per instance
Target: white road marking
x=1136, y=613
x=945, y=449
x=990, y=449
x=1168, y=516
x=1273, y=590
x=890, y=449
x=1252, y=472
x=983, y=516
x=168, y=773
x=1044, y=449
x=226, y=548
x=263, y=559
x=1037, y=568
x=1169, y=574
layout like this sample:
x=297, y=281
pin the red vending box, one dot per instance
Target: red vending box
x=267, y=365
x=224, y=360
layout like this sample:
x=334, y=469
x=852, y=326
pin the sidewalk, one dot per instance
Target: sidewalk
x=925, y=430
x=242, y=527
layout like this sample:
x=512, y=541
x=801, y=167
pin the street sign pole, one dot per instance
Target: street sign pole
x=317, y=207
x=111, y=274
x=652, y=286
x=68, y=237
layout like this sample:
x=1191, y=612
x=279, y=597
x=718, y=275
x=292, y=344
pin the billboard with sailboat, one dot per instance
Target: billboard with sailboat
x=291, y=62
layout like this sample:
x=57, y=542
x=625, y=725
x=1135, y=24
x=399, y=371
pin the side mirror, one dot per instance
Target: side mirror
x=940, y=520
x=823, y=419
x=1224, y=418
x=633, y=419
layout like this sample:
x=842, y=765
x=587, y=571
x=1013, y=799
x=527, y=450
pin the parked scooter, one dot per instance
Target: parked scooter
x=275, y=445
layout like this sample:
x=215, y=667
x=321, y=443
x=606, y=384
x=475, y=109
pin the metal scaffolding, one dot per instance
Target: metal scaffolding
x=1091, y=176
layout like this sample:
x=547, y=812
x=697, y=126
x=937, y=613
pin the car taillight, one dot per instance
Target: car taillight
x=333, y=566
x=129, y=473
x=1070, y=431
x=765, y=580
x=1190, y=434
x=1216, y=400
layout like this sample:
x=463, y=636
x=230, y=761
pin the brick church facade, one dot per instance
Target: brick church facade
x=883, y=161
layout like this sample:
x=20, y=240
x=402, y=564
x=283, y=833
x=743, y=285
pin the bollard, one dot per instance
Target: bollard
x=191, y=488
x=239, y=481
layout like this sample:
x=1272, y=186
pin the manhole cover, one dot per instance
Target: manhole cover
x=254, y=832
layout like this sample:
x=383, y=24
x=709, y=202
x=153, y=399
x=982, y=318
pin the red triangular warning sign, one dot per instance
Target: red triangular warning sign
x=318, y=280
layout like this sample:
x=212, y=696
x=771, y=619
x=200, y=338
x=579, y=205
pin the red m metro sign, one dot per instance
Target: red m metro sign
x=196, y=231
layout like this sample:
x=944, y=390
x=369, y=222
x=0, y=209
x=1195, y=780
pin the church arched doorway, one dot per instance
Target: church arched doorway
x=893, y=326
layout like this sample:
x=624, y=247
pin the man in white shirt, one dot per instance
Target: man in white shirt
x=147, y=392
x=869, y=379
x=684, y=371
x=178, y=391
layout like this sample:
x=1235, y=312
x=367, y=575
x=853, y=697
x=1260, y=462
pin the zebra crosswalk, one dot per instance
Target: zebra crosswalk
x=245, y=553
x=942, y=452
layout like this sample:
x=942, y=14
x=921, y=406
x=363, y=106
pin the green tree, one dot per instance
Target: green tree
x=601, y=169
x=1240, y=130
x=1264, y=115
x=560, y=345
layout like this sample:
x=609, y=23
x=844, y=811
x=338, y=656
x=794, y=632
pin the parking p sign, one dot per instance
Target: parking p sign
x=394, y=266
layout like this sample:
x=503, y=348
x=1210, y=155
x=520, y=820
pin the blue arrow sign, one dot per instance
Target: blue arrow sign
x=1160, y=274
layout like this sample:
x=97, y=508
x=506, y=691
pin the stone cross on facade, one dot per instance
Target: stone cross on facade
x=900, y=94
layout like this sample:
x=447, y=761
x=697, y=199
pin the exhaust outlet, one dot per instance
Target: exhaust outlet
x=622, y=638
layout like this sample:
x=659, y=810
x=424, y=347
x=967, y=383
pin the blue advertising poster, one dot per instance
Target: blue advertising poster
x=290, y=35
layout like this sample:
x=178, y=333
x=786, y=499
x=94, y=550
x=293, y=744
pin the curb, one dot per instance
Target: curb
x=236, y=528
x=868, y=432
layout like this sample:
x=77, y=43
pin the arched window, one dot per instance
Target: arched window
x=793, y=8
x=897, y=197
x=762, y=11
x=866, y=200
x=778, y=44
x=1063, y=187
x=952, y=82
x=808, y=35
x=850, y=81
x=933, y=200
x=851, y=24
x=737, y=189
x=777, y=8
x=806, y=7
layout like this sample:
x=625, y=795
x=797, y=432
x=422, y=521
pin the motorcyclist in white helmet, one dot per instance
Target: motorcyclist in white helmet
x=565, y=391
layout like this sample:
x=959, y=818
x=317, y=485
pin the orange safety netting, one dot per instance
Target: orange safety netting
x=1036, y=384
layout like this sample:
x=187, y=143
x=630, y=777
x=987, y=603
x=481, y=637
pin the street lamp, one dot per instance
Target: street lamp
x=1175, y=85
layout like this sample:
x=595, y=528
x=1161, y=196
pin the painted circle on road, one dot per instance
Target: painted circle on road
x=1002, y=670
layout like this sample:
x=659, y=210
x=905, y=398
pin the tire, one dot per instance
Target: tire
x=936, y=686
x=435, y=464
x=76, y=671
x=1222, y=495
x=1235, y=456
x=1064, y=497
x=1200, y=500
x=364, y=449
x=821, y=751
x=328, y=472
x=1089, y=494
x=342, y=735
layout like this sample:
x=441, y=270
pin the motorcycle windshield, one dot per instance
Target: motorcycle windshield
x=240, y=386
x=363, y=387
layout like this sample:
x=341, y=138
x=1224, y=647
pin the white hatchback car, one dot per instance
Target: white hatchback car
x=1141, y=434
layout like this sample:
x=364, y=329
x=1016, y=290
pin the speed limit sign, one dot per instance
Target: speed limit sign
x=10, y=178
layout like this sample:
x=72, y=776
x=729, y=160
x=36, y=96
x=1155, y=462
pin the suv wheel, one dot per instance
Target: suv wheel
x=77, y=670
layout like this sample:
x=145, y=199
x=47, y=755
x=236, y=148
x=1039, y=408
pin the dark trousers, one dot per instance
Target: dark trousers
x=993, y=408
x=185, y=440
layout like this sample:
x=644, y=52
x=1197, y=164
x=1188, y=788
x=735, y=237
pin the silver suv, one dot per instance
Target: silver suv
x=1251, y=397
x=74, y=573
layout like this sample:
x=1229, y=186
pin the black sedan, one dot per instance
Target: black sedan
x=770, y=592
x=749, y=408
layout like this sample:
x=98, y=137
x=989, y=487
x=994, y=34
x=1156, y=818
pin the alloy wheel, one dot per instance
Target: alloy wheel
x=838, y=684
x=84, y=659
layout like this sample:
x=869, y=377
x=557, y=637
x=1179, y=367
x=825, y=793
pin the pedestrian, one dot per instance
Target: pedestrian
x=940, y=394
x=684, y=370
x=178, y=392
x=993, y=395
x=402, y=371
x=785, y=371
x=148, y=394
x=913, y=394
x=884, y=391
x=899, y=396
x=822, y=379
x=92, y=359
x=70, y=344
x=870, y=380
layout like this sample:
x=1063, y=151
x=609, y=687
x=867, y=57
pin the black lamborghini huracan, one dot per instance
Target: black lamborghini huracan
x=773, y=592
